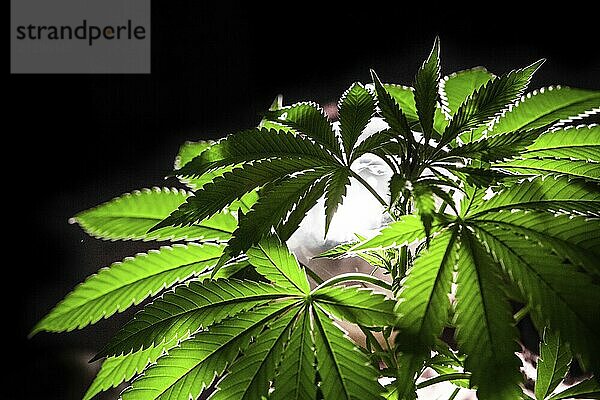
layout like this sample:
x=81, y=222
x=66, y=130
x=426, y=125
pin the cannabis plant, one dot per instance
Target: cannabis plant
x=494, y=215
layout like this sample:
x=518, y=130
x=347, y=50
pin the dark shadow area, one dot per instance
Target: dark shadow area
x=77, y=141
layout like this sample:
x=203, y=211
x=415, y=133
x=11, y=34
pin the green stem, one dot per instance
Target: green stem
x=454, y=394
x=370, y=338
x=357, y=277
x=521, y=314
x=369, y=188
x=444, y=378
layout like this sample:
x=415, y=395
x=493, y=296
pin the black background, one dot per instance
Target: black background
x=74, y=141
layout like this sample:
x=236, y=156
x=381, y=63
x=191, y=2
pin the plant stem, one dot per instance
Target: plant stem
x=354, y=277
x=444, y=378
x=454, y=394
x=369, y=188
x=519, y=315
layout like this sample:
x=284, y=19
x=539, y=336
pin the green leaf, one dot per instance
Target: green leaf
x=345, y=371
x=275, y=262
x=588, y=389
x=440, y=122
x=187, y=152
x=423, y=306
x=404, y=96
x=133, y=214
x=391, y=111
x=116, y=370
x=375, y=143
x=296, y=377
x=425, y=206
x=550, y=193
x=224, y=190
x=550, y=167
x=423, y=301
x=575, y=238
x=249, y=377
x=189, y=308
x=488, y=101
x=356, y=107
x=553, y=364
x=560, y=297
x=310, y=119
x=426, y=89
x=335, y=191
x=252, y=145
x=485, y=328
x=577, y=143
x=545, y=106
x=343, y=250
x=457, y=87
x=499, y=147
x=276, y=201
x=360, y=306
x=186, y=370
x=406, y=230
x=128, y=283
x=304, y=204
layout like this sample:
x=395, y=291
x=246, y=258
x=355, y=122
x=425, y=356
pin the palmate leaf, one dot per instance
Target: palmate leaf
x=356, y=107
x=189, y=308
x=488, y=101
x=249, y=377
x=128, y=283
x=422, y=308
x=407, y=229
x=119, y=369
x=575, y=238
x=131, y=216
x=357, y=305
x=560, y=297
x=553, y=364
x=310, y=119
x=575, y=143
x=296, y=377
x=550, y=193
x=252, y=145
x=485, y=328
x=274, y=261
x=426, y=89
x=345, y=372
x=276, y=201
x=186, y=370
x=457, y=87
x=233, y=185
x=545, y=106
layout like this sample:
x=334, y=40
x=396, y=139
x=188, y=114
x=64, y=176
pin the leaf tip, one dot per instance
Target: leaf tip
x=536, y=65
x=277, y=103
